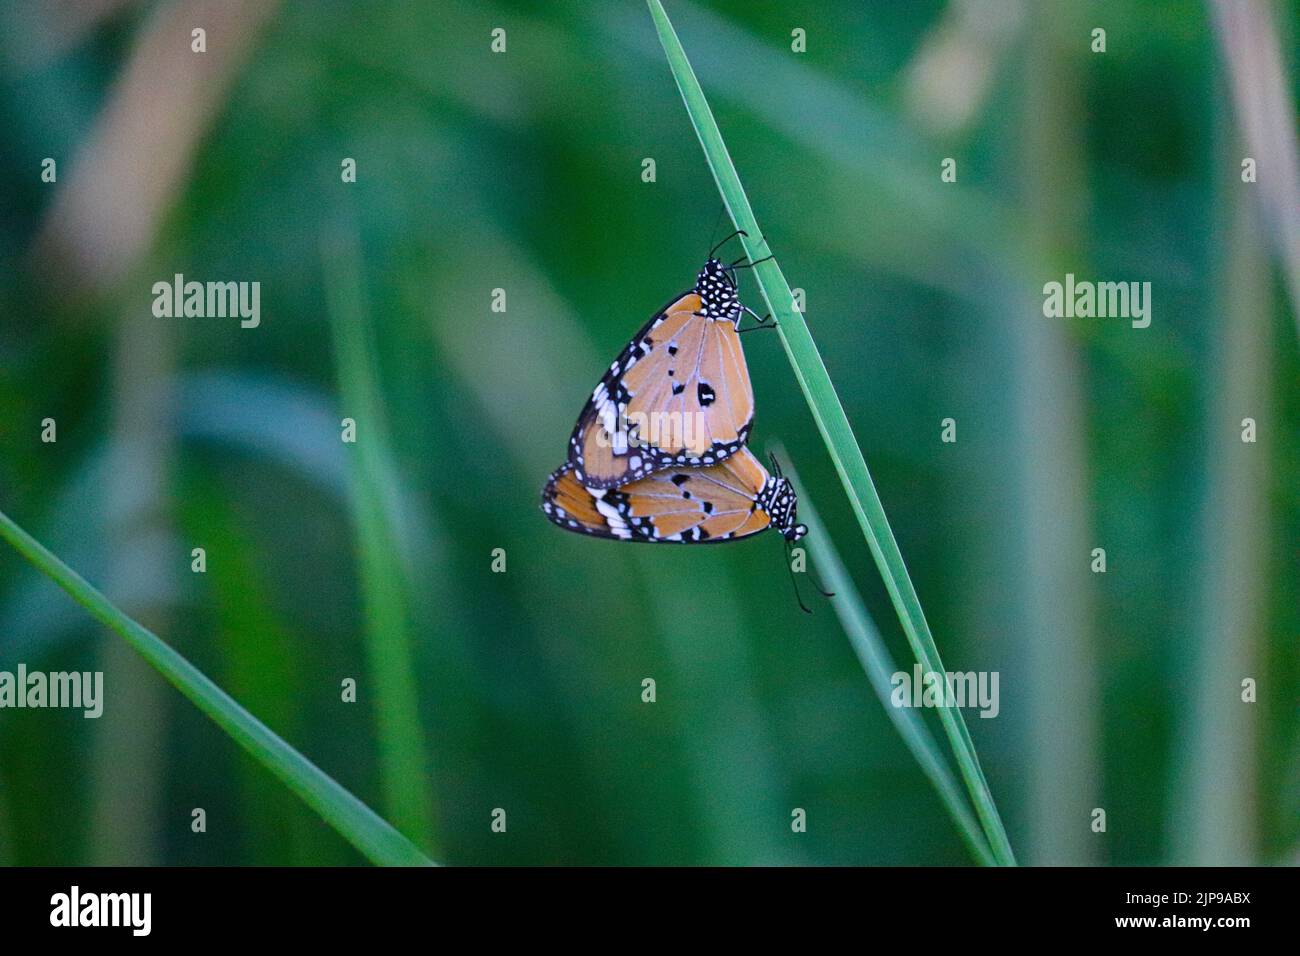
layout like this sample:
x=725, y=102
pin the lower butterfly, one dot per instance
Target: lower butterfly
x=733, y=499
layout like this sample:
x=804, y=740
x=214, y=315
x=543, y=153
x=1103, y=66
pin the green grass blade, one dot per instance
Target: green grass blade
x=879, y=666
x=354, y=821
x=833, y=424
x=372, y=482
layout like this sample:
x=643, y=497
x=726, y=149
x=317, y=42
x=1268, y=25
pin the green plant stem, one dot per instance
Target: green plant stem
x=356, y=822
x=833, y=424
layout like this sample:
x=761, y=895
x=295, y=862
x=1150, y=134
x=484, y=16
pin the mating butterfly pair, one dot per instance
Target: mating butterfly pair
x=658, y=453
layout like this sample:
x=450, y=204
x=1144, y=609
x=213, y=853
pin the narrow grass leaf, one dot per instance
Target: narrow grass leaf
x=833, y=424
x=354, y=821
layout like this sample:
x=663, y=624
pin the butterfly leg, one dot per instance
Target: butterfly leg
x=794, y=582
x=764, y=321
x=819, y=586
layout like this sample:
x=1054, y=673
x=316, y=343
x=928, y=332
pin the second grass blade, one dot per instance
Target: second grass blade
x=879, y=667
x=403, y=756
x=356, y=822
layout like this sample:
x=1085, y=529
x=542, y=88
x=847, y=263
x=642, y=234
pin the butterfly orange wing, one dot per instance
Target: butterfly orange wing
x=680, y=504
x=679, y=394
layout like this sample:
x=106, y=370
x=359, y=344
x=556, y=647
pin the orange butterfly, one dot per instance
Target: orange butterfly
x=723, y=502
x=678, y=394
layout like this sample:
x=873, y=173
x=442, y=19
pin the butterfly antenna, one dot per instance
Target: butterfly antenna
x=795, y=581
x=738, y=232
x=722, y=209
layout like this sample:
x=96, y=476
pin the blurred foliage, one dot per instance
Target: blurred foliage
x=522, y=171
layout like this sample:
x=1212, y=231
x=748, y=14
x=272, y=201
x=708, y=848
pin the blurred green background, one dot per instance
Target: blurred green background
x=522, y=171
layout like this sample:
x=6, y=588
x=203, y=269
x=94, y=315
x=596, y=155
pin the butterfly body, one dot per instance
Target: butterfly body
x=678, y=394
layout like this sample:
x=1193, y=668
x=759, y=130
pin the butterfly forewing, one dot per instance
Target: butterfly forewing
x=678, y=504
x=679, y=394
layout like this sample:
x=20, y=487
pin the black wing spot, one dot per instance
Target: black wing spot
x=680, y=480
x=706, y=394
x=678, y=388
x=708, y=507
x=672, y=350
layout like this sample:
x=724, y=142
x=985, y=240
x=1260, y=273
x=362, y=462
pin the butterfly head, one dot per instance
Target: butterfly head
x=716, y=287
x=781, y=504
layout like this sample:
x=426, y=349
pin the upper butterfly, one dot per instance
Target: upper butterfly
x=679, y=394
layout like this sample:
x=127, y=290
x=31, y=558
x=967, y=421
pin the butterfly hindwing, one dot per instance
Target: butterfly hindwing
x=680, y=504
